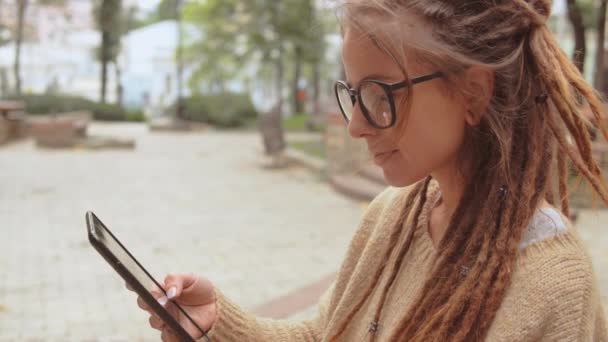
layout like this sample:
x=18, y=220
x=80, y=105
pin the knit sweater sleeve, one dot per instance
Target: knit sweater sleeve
x=553, y=297
x=578, y=312
x=234, y=324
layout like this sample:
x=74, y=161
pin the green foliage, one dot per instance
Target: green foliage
x=167, y=10
x=134, y=115
x=52, y=2
x=236, y=32
x=227, y=110
x=50, y=104
x=589, y=11
x=109, y=21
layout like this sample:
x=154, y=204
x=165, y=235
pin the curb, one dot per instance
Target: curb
x=300, y=158
x=295, y=301
x=356, y=187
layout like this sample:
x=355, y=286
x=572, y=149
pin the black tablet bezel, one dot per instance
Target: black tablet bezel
x=91, y=219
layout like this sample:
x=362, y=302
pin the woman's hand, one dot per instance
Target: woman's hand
x=194, y=294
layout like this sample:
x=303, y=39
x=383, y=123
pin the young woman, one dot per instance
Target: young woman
x=474, y=114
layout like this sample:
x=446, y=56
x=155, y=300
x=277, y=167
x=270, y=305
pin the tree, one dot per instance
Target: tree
x=21, y=10
x=304, y=32
x=3, y=28
x=269, y=32
x=578, y=26
x=600, y=51
x=179, y=109
x=108, y=14
x=52, y=2
x=240, y=31
x=167, y=10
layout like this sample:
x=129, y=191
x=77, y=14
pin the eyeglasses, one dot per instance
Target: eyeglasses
x=375, y=98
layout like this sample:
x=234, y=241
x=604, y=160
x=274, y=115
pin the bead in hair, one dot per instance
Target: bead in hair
x=541, y=99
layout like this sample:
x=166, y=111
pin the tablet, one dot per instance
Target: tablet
x=134, y=274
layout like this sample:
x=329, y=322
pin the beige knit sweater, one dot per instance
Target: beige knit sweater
x=553, y=295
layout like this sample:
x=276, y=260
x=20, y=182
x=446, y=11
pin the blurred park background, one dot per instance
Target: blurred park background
x=205, y=134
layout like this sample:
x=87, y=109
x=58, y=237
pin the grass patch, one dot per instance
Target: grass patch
x=299, y=123
x=313, y=148
x=295, y=123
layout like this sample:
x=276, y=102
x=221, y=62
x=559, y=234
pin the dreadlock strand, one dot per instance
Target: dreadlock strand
x=410, y=200
x=580, y=165
x=404, y=248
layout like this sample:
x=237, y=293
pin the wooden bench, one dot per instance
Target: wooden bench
x=59, y=130
x=12, y=120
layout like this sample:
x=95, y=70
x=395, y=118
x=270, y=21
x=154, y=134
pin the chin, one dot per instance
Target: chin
x=398, y=179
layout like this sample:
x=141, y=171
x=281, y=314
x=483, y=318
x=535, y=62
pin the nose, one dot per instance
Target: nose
x=358, y=126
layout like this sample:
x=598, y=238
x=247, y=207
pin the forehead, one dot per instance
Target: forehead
x=403, y=34
x=362, y=57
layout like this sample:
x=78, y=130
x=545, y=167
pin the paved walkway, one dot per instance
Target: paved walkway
x=188, y=202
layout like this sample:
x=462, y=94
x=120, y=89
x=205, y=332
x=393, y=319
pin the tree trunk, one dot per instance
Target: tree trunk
x=599, y=57
x=278, y=61
x=280, y=72
x=22, y=6
x=119, y=89
x=4, y=88
x=179, y=108
x=105, y=45
x=580, y=47
x=271, y=124
x=316, y=88
x=297, y=102
x=109, y=25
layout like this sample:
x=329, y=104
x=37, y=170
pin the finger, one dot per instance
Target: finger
x=204, y=320
x=175, y=283
x=129, y=287
x=168, y=336
x=190, y=289
x=142, y=304
x=156, y=322
x=157, y=292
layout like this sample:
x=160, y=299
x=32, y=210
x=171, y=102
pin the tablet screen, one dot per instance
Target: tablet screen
x=103, y=236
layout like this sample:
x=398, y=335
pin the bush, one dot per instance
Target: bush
x=48, y=104
x=227, y=110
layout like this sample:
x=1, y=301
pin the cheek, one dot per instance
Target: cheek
x=433, y=136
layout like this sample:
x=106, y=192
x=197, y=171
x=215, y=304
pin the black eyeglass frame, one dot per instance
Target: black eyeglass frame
x=355, y=95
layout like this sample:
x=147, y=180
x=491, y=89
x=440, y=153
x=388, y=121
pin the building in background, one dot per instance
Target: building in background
x=149, y=71
x=58, y=50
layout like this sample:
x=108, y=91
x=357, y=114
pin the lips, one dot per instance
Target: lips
x=381, y=157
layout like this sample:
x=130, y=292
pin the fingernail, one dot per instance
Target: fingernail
x=172, y=292
x=162, y=300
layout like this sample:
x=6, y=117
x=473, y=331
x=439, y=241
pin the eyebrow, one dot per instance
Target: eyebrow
x=378, y=77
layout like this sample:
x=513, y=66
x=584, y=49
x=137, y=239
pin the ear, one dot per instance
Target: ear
x=480, y=88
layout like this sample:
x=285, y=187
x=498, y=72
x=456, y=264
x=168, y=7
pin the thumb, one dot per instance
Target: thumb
x=190, y=289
